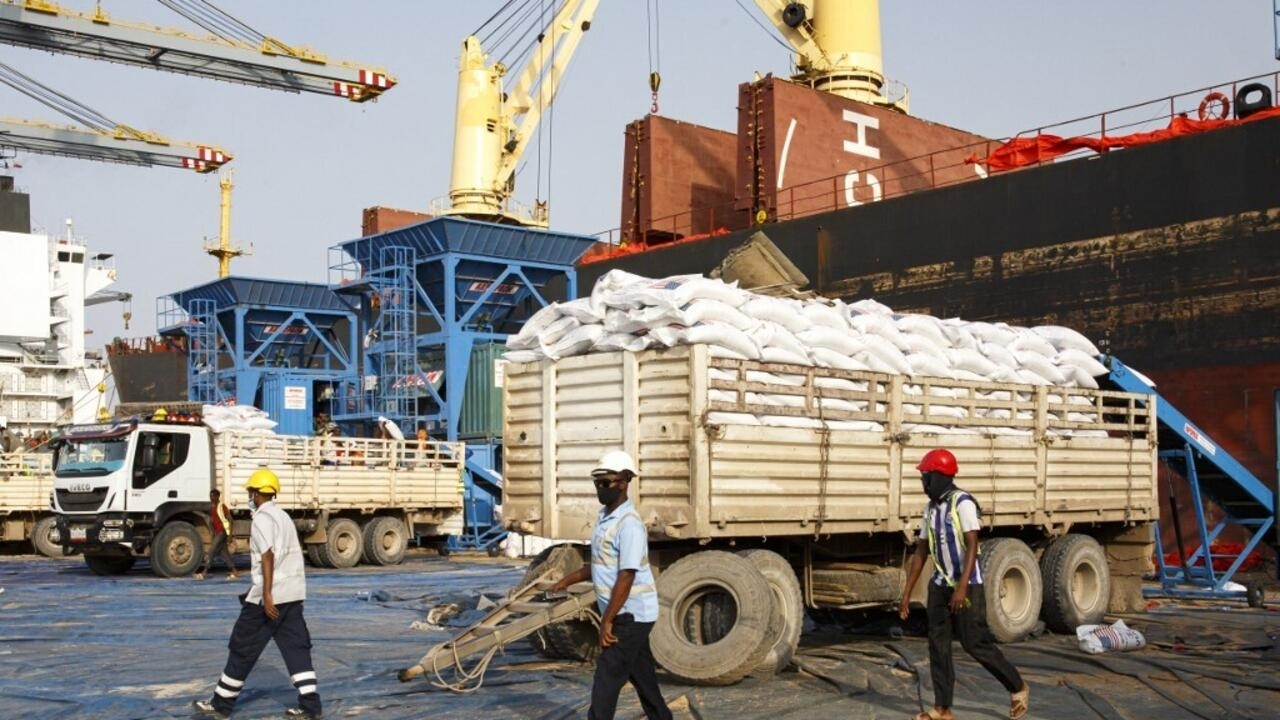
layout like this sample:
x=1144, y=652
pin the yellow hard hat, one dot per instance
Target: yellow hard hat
x=160, y=414
x=264, y=481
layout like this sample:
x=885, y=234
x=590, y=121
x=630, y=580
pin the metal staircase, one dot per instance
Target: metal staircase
x=202, y=365
x=1214, y=476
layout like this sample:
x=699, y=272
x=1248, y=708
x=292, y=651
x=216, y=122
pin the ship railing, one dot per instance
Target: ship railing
x=933, y=170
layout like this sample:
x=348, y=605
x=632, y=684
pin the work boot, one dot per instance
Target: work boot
x=206, y=709
x=198, y=576
x=297, y=713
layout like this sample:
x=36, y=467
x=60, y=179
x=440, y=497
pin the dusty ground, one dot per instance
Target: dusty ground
x=73, y=645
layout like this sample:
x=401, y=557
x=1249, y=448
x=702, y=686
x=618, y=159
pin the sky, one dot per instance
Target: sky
x=306, y=165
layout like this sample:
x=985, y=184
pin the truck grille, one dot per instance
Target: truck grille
x=81, y=502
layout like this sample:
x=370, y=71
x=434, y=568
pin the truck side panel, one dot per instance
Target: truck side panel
x=729, y=478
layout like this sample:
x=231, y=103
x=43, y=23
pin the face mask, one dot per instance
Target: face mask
x=608, y=495
x=252, y=505
x=936, y=485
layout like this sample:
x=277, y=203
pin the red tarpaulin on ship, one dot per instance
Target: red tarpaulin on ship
x=1021, y=152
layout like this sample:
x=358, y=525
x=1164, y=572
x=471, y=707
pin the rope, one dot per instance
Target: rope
x=824, y=449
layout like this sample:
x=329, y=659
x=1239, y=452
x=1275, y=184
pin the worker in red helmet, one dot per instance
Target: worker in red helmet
x=957, y=603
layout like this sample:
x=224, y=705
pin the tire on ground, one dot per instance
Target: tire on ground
x=690, y=583
x=385, y=541
x=1014, y=590
x=318, y=555
x=177, y=550
x=783, y=639
x=345, y=543
x=572, y=640
x=110, y=564
x=40, y=537
x=1077, y=583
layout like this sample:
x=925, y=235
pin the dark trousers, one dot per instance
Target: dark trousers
x=627, y=659
x=221, y=549
x=249, y=638
x=970, y=624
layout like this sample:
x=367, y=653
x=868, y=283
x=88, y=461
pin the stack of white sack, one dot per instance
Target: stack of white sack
x=634, y=313
x=237, y=418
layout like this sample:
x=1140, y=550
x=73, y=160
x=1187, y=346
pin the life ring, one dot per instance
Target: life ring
x=1214, y=106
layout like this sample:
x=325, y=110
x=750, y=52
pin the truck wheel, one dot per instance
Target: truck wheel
x=1013, y=588
x=318, y=555
x=177, y=550
x=109, y=564
x=573, y=640
x=715, y=577
x=1077, y=583
x=40, y=539
x=385, y=541
x=345, y=543
x=788, y=602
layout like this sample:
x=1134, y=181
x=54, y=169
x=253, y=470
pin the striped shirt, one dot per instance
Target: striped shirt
x=621, y=542
x=274, y=530
x=948, y=556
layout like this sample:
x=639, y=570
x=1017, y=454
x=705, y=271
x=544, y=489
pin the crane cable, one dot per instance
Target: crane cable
x=59, y=102
x=215, y=20
x=655, y=52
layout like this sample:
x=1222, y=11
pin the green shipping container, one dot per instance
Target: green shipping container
x=482, y=398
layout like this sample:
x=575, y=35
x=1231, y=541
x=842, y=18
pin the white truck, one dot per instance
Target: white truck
x=132, y=489
x=769, y=488
x=26, y=512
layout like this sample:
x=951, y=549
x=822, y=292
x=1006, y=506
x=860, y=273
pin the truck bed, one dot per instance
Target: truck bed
x=1061, y=457
x=26, y=479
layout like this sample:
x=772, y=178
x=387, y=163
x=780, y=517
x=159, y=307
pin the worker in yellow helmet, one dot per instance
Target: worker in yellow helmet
x=272, y=609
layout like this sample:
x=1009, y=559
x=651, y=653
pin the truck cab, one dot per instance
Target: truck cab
x=114, y=484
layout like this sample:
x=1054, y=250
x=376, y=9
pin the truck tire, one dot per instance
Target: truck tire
x=40, y=537
x=788, y=603
x=1077, y=583
x=1014, y=590
x=345, y=543
x=573, y=640
x=692, y=581
x=385, y=541
x=318, y=555
x=109, y=564
x=176, y=550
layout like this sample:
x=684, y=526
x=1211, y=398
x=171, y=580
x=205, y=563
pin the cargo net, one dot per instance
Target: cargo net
x=960, y=376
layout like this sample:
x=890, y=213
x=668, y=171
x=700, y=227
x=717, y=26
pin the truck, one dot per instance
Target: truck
x=131, y=489
x=26, y=512
x=771, y=488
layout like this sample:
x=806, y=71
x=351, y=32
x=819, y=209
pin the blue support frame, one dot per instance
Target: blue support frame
x=472, y=283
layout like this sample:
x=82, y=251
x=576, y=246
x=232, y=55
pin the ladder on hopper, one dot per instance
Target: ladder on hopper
x=1213, y=475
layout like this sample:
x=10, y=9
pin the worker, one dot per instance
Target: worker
x=272, y=609
x=219, y=518
x=8, y=441
x=626, y=594
x=957, y=602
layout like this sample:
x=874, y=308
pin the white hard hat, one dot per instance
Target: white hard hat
x=616, y=461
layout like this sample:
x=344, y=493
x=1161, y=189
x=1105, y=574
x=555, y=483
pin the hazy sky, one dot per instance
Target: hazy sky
x=306, y=165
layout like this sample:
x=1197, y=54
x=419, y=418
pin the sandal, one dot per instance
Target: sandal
x=935, y=714
x=1018, y=703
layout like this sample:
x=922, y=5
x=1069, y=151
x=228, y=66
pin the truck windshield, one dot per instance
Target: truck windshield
x=91, y=457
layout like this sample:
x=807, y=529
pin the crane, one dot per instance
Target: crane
x=493, y=126
x=223, y=249
x=837, y=45
x=236, y=54
x=103, y=139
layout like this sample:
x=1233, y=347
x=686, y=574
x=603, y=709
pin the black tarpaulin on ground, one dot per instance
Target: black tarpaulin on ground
x=74, y=645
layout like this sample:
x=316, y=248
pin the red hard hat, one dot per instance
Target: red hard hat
x=940, y=460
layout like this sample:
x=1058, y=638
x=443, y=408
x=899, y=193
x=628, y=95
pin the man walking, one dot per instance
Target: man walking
x=957, y=603
x=271, y=610
x=625, y=594
x=219, y=518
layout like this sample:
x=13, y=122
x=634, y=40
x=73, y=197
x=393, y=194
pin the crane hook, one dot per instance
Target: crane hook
x=655, y=81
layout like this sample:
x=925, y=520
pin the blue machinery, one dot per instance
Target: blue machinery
x=1215, y=475
x=435, y=300
x=269, y=343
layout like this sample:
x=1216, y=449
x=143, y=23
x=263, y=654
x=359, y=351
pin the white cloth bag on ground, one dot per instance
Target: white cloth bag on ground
x=1096, y=639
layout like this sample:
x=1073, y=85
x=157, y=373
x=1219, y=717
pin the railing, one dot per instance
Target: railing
x=937, y=169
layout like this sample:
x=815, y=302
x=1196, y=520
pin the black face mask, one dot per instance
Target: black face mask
x=608, y=495
x=936, y=485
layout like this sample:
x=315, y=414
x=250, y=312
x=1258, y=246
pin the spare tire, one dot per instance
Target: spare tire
x=783, y=639
x=1014, y=589
x=1077, y=583
x=572, y=640
x=712, y=578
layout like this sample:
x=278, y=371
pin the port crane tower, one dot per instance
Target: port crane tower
x=236, y=53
